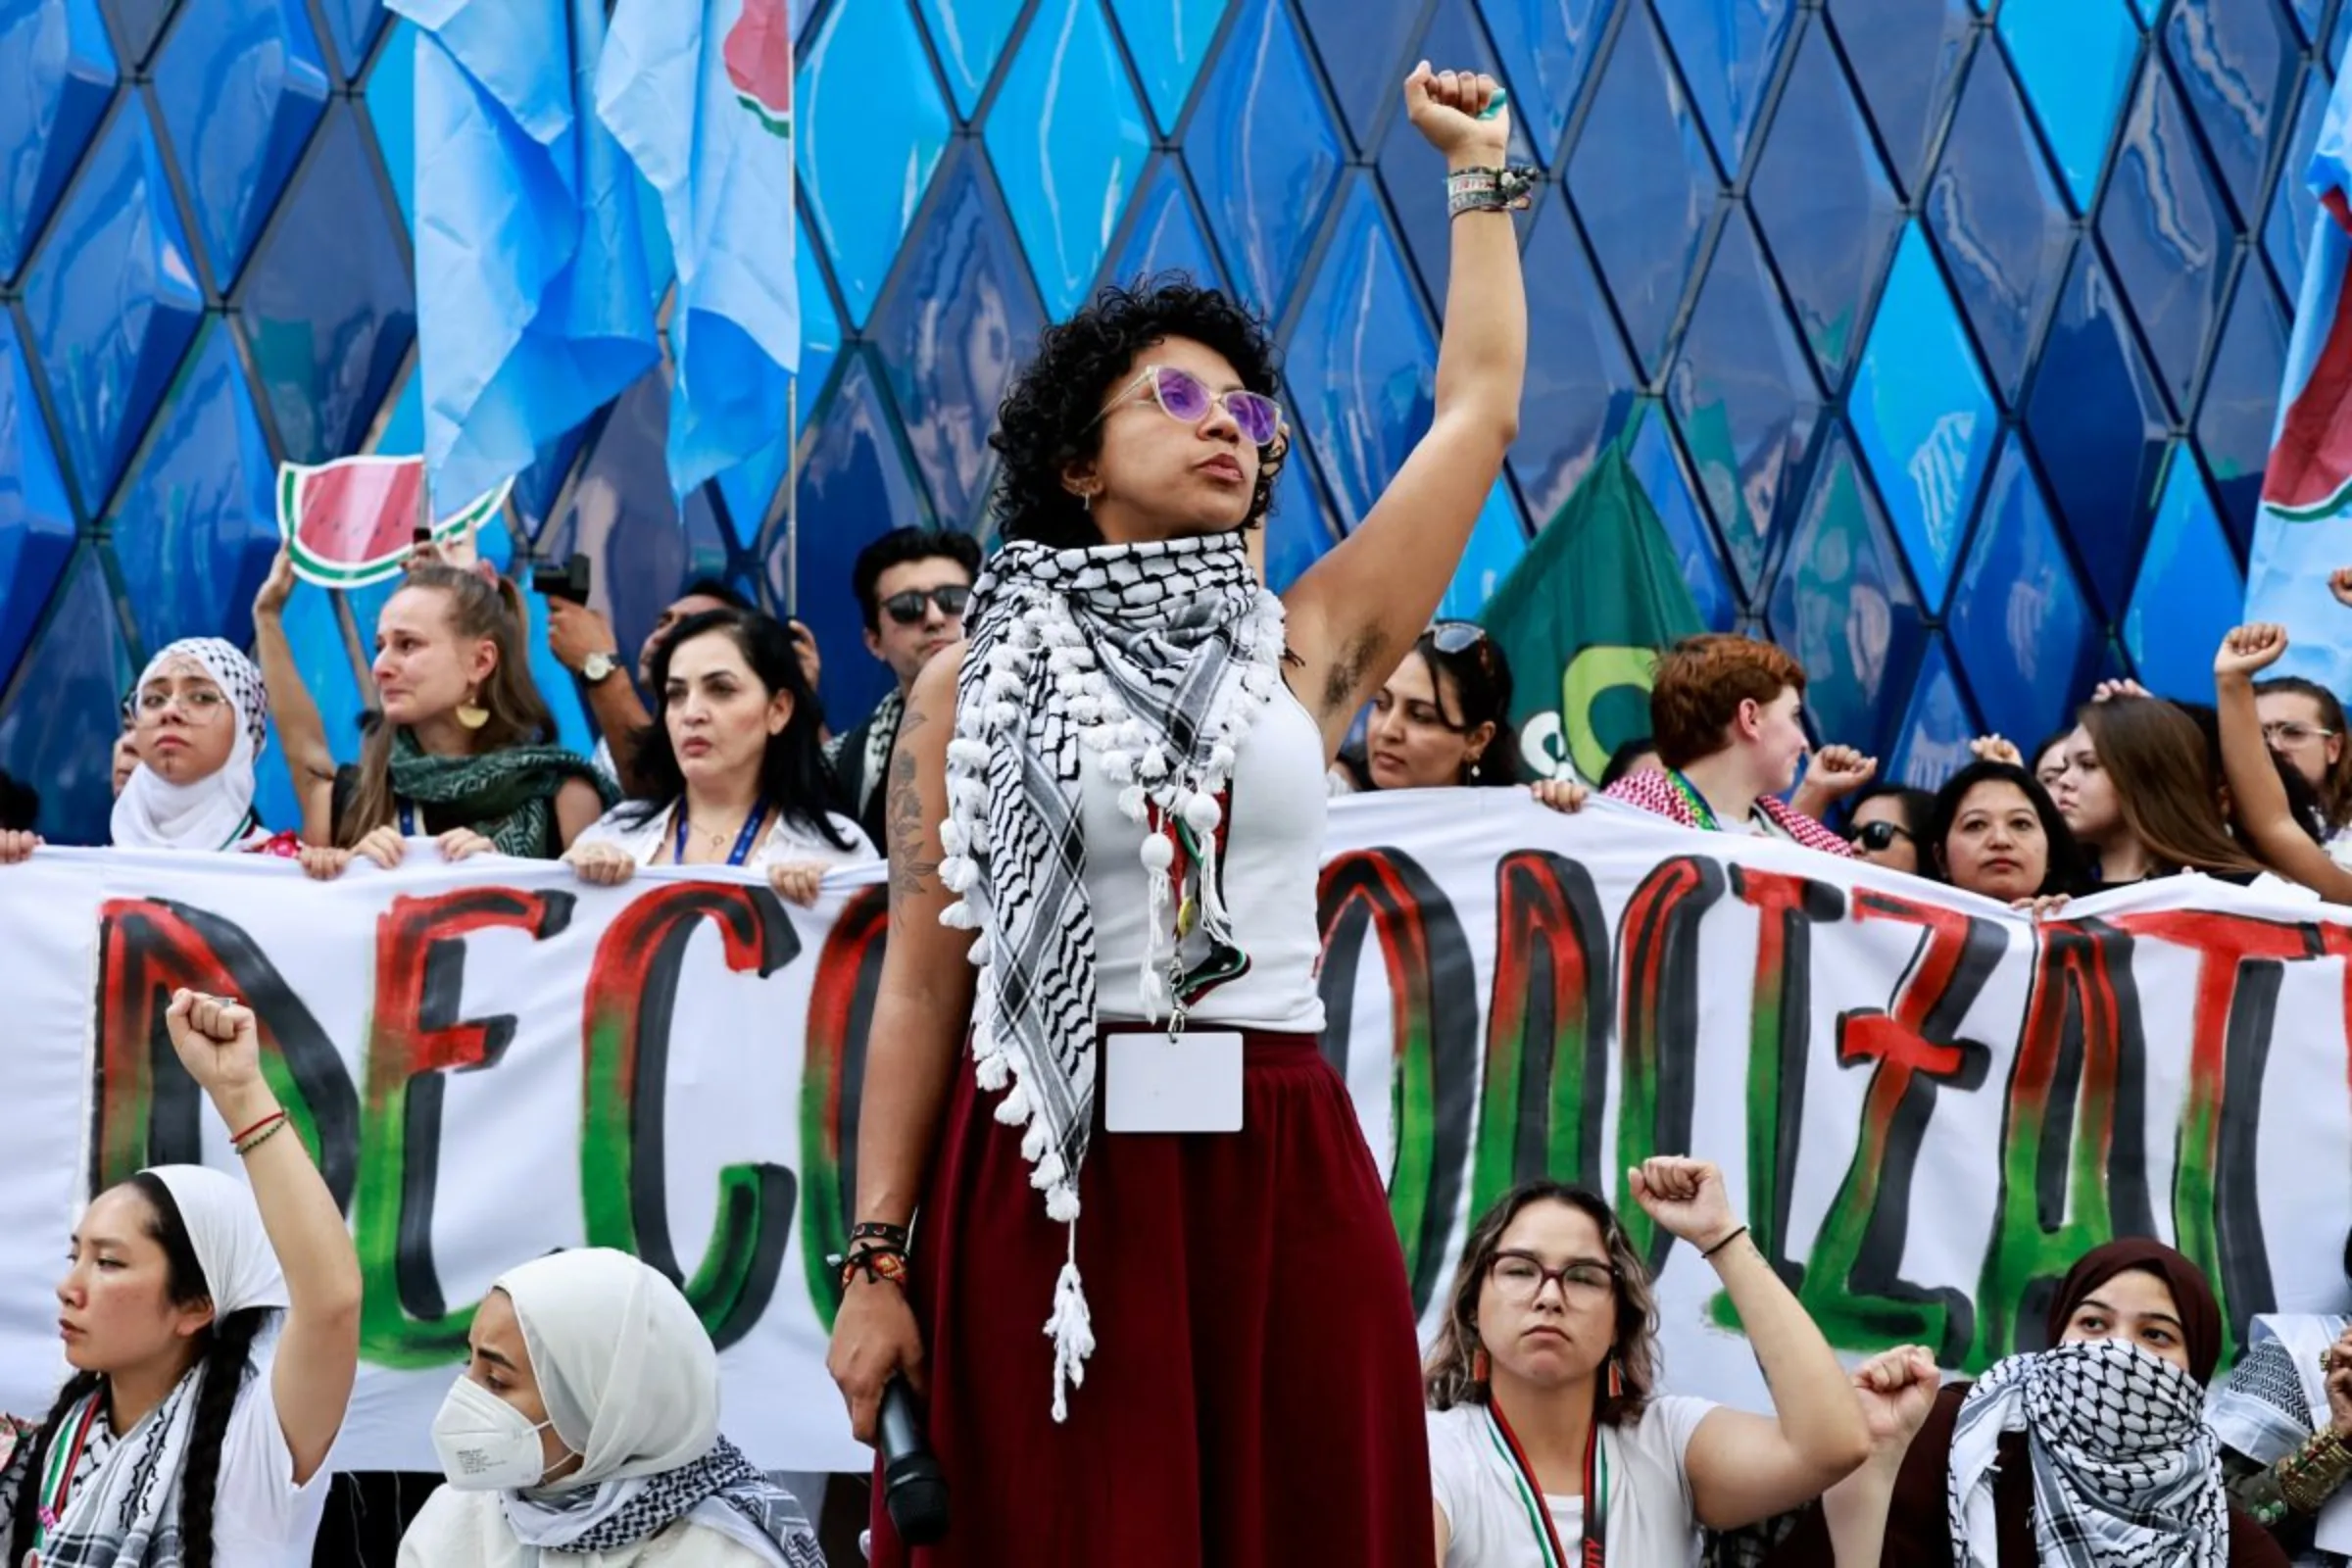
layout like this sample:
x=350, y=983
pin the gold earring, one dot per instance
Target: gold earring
x=470, y=714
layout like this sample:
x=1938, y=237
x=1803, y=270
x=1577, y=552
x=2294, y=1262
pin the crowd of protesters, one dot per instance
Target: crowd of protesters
x=212, y=1325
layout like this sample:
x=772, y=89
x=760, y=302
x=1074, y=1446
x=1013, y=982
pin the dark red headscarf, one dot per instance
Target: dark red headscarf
x=2192, y=1297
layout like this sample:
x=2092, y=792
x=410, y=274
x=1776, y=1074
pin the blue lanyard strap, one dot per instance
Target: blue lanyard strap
x=742, y=839
x=407, y=819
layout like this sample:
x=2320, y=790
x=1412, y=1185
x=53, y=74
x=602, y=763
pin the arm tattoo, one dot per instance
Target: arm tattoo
x=911, y=862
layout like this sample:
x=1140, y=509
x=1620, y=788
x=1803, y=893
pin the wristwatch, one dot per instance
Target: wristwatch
x=596, y=667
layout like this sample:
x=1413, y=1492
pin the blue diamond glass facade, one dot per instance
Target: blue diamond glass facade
x=1944, y=334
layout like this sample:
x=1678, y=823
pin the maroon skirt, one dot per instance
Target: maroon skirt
x=1255, y=1395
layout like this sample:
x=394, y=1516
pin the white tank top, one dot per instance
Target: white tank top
x=1273, y=855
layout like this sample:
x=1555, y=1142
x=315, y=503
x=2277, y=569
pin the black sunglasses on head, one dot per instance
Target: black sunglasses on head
x=1878, y=837
x=908, y=609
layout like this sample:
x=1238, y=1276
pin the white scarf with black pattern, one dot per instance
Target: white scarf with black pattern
x=1155, y=659
x=2126, y=1472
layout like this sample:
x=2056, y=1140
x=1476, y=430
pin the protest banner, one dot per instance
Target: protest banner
x=1925, y=1105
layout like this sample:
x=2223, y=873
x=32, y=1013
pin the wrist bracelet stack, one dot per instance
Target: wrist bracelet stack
x=1488, y=190
x=259, y=1133
x=2315, y=1472
x=878, y=1253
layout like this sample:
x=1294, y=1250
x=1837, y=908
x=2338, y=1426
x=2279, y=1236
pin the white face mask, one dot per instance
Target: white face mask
x=485, y=1444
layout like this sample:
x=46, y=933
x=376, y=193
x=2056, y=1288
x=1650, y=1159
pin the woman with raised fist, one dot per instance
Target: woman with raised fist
x=213, y=1331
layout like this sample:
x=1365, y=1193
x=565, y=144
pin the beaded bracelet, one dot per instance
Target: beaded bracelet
x=2315, y=1472
x=268, y=1130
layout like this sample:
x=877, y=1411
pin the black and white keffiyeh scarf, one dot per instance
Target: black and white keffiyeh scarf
x=723, y=1490
x=123, y=1505
x=2126, y=1472
x=1154, y=659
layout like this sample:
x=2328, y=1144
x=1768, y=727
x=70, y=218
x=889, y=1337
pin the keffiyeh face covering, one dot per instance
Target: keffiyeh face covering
x=2126, y=1472
x=1152, y=661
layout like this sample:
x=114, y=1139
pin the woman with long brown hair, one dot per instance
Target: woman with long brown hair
x=462, y=749
x=2138, y=793
x=1544, y=1429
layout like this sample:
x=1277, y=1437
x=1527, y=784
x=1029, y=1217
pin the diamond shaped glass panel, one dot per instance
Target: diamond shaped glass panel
x=2024, y=635
x=1843, y=607
x=1363, y=48
x=1300, y=526
x=2189, y=590
x=326, y=307
x=1922, y=416
x=64, y=72
x=1821, y=196
x=1415, y=174
x=2307, y=14
x=1165, y=234
x=112, y=300
x=1362, y=359
x=1168, y=40
x=1264, y=178
x=2237, y=59
x=36, y=522
x=2294, y=210
x=1657, y=461
x=1727, y=49
x=621, y=517
x=969, y=35
x=854, y=486
x=2168, y=233
x=1547, y=47
x=59, y=730
x=355, y=25
x=1497, y=539
x=1069, y=141
x=198, y=523
x=1999, y=219
x=1906, y=55
x=2073, y=57
x=392, y=112
x=863, y=173
x=1580, y=382
x=1744, y=398
x=238, y=95
x=960, y=321
x=138, y=23
x=1936, y=728
x=400, y=430
x=2099, y=424
x=2241, y=401
x=1643, y=185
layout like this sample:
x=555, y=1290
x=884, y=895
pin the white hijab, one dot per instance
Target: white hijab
x=224, y=1229
x=154, y=813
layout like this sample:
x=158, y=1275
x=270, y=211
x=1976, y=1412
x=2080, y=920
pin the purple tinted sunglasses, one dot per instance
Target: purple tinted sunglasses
x=1181, y=395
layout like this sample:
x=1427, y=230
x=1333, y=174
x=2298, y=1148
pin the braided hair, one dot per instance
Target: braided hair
x=225, y=1356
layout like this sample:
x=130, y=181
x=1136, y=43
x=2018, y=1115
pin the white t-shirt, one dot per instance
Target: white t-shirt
x=1651, y=1519
x=261, y=1519
x=786, y=842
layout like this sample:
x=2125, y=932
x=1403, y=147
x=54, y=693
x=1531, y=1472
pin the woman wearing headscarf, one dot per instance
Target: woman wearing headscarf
x=2093, y=1451
x=587, y=1422
x=199, y=717
x=214, y=1331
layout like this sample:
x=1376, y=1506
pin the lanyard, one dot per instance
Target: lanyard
x=245, y=825
x=1702, y=813
x=64, y=1459
x=1531, y=1494
x=407, y=819
x=742, y=839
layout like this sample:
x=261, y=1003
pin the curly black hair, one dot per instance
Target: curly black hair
x=1047, y=421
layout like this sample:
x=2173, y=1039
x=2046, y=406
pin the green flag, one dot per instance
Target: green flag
x=1581, y=616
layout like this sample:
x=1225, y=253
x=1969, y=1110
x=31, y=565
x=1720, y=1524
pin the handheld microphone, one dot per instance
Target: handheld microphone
x=913, y=1488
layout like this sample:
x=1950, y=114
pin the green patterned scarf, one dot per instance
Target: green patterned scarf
x=506, y=796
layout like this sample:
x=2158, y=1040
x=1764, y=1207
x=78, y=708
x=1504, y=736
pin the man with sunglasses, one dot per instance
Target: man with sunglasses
x=912, y=586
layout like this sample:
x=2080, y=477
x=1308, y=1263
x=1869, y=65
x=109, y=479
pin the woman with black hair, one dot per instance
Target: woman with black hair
x=1889, y=826
x=1995, y=832
x=1441, y=718
x=731, y=770
x=1106, y=816
x=195, y=1429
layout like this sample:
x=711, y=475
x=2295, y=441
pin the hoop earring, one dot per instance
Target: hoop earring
x=470, y=714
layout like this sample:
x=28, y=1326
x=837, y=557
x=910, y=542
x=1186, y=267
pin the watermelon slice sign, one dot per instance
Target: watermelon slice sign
x=758, y=59
x=354, y=522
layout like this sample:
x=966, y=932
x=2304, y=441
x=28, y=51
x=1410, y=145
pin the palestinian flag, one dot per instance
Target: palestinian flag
x=354, y=522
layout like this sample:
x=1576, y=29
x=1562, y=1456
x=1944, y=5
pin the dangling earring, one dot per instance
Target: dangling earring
x=1086, y=500
x=1479, y=1368
x=470, y=714
x=1475, y=766
x=1616, y=1378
